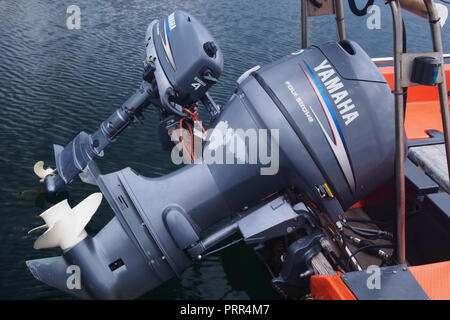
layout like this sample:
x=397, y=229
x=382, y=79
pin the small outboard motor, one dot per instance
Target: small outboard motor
x=184, y=59
x=319, y=121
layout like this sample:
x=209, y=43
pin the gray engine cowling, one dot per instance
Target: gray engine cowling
x=186, y=58
x=340, y=115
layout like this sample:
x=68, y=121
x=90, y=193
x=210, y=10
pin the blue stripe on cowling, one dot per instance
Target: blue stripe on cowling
x=167, y=30
x=327, y=102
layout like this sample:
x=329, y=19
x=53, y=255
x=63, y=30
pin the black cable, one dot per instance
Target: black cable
x=368, y=221
x=316, y=3
x=359, y=12
x=370, y=233
x=343, y=253
x=365, y=230
x=379, y=246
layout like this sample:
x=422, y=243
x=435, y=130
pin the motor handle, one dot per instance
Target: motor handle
x=74, y=158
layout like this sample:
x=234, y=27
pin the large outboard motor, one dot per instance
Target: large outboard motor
x=320, y=121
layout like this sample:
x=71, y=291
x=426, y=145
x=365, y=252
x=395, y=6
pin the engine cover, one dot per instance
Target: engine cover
x=338, y=119
x=188, y=55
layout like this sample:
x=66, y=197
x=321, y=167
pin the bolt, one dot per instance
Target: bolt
x=404, y=269
x=199, y=257
x=394, y=272
x=289, y=229
x=305, y=274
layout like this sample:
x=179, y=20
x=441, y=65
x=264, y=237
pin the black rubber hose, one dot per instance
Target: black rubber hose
x=370, y=233
x=359, y=12
x=368, y=221
x=375, y=246
x=316, y=3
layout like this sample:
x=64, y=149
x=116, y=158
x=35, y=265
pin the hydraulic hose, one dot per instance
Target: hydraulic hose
x=356, y=10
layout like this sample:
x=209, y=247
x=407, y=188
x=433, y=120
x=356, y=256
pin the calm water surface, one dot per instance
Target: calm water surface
x=55, y=82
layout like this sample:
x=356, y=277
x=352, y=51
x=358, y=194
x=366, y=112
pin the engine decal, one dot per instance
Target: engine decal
x=166, y=42
x=337, y=143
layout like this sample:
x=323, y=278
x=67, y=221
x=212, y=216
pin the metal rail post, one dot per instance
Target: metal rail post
x=304, y=24
x=340, y=25
x=337, y=9
x=399, y=132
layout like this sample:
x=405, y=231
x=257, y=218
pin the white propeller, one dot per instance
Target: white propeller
x=41, y=172
x=65, y=224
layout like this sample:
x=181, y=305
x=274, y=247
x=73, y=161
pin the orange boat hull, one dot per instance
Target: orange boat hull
x=433, y=278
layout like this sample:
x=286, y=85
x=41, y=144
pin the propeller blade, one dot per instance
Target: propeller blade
x=66, y=224
x=61, y=234
x=56, y=212
x=39, y=170
x=86, y=209
x=50, y=238
x=38, y=228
